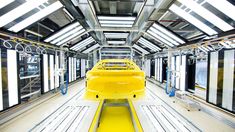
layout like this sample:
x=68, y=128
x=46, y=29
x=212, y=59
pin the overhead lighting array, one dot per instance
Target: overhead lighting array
x=37, y=16
x=205, y=49
x=164, y=35
x=19, y=11
x=224, y=6
x=206, y=14
x=116, y=42
x=5, y=3
x=66, y=34
x=149, y=44
x=23, y=9
x=82, y=43
x=140, y=49
x=227, y=45
x=114, y=21
x=191, y=19
x=91, y=48
x=116, y=35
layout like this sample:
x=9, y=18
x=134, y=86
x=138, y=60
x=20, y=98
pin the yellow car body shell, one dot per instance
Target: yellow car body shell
x=115, y=79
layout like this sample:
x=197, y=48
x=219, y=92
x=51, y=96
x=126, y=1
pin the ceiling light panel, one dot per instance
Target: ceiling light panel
x=152, y=34
x=140, y=49
x=61, y=32
x=225, y=45
x=35, y=17
x=206, y=14
x=73, y=31
x=116, y=42
x=158, y=33
x=116, y=21
x=85, y=43
x=19, y=11
x=66, y=34
x=71, y=37
x=203, y=50
x=168, y=33
x=224, y=6
x=91, y=48
x=116, y=35
x=200, y=25
x=82, y=43
x=149, y=44
x=5, y=3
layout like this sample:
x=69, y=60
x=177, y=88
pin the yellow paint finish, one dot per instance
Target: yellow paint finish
x=135, y=117
x=96, y=117
x=115, y=79
x=115, y=119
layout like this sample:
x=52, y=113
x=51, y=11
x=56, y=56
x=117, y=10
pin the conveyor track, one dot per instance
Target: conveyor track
x=71, y=116
x=156, y=115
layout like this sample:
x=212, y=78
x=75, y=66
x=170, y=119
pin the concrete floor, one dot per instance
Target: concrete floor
x=30, y=118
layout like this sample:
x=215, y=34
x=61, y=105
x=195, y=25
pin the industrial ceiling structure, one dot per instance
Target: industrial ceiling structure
x=147, y=26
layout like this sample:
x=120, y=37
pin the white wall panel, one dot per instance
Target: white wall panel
x=57, y=77
x=213, y=77
x=1, y=97
x=52, y=79
x=227, y=100
x=177, y=79
x=83, y=67
x=12, y=77
x=71, y=68
x=147, y=66
x=160, y=70
x=45, y=73
x=183, y=73
x=155, y=69
x=70, y=71
x=74, y=68
x=172, y=69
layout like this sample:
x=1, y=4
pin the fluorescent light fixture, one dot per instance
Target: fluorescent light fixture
x=203, y=50
x=117, y=22
x=82, y=43
x=66, y=11
x=208, y=47
x=4, y=3
x=66, y=29
x=149, y=44
x=19, y=11
x=64, y=36
x=225, y=45
x=164, y=36
x=206, y=14
x=116, y=18
x=168, y=33
x=140, y=49
x=116, y=42
x=159, y=38
x=71, y=37
x=91, y=48
x=116, y=35
x=230, y=43
x=37, y=16
x=224, y=6
x=115, y=25
x=177, y=10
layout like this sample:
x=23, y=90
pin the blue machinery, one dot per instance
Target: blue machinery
x=63, y=72
x=170, y=92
